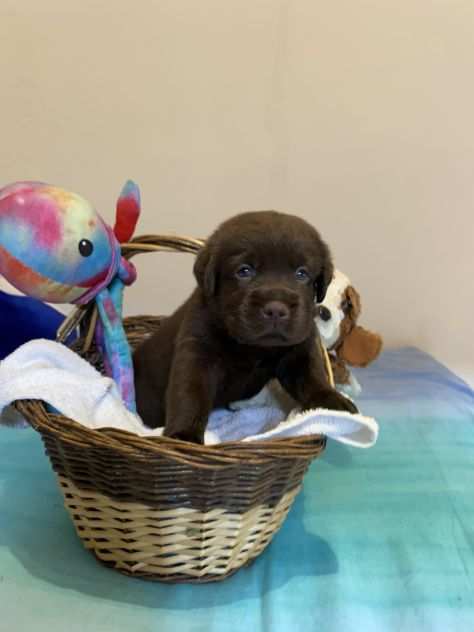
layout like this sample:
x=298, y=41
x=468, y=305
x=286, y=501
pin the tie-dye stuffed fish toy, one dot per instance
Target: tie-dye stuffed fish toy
x=55, y=247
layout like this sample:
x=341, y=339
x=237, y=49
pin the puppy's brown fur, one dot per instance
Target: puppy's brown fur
x=251, y=319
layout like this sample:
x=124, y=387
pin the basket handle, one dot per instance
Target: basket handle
x=86, y=317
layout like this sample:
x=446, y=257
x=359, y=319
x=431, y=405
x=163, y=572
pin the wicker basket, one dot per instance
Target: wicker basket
x=164, y=509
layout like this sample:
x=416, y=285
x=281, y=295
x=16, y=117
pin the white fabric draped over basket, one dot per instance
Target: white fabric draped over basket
x=49, y=371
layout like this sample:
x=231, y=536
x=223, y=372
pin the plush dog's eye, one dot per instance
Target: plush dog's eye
x=245, y=272
x=302, y=274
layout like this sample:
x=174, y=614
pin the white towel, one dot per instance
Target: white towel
x=49, y=371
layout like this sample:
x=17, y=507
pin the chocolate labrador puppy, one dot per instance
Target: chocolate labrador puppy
x=250, y=320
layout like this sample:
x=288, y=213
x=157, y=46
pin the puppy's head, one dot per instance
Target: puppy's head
x=337, y=314
x=260, y=274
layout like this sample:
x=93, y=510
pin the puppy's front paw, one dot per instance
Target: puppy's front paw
x=190, y=435
x=336, y=401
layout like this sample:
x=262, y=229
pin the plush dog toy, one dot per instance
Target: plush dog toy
x=55, y=247
x=346, y=342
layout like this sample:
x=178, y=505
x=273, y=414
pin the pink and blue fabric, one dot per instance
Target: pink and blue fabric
x=55, y=247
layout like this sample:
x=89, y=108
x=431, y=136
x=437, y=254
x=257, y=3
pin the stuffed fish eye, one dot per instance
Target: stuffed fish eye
x=86, y=247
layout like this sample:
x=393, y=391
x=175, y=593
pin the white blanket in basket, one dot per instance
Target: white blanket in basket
x=49, y=371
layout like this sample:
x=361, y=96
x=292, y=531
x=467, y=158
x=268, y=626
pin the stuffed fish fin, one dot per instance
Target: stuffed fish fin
x=113, y=341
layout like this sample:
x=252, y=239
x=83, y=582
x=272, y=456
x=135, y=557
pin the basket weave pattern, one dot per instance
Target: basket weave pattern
x=164, y=509
x=166, y=543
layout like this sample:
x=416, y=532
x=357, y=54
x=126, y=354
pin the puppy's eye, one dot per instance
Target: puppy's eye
x=245, y=272
x=302, y=274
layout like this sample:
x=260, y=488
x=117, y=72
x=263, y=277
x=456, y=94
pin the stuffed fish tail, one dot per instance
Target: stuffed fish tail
x=127, y=212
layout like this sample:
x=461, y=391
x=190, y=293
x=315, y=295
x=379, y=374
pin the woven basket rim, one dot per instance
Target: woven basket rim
x=224, y=454
x=143, y=448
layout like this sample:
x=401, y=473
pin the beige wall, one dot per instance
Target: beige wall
x=356, y=114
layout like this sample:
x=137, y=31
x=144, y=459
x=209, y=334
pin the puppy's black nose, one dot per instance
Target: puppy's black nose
x=276, y=311
x=324, y=313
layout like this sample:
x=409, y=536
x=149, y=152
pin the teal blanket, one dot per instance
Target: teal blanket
x=379, y=539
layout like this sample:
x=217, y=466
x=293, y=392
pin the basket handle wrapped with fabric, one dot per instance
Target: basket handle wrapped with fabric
x=142, y=245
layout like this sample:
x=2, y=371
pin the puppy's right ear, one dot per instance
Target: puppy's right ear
x=205, y=270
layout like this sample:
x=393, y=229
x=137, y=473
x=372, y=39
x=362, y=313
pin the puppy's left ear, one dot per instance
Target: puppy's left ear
x=325, y=276
x=205, y=270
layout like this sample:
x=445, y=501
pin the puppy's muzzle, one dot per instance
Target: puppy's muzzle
x=275, y=308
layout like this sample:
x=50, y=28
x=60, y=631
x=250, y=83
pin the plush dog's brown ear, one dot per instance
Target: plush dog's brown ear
x=352, y=300
x=360, y=347
x=326, y=274
x=205, y=270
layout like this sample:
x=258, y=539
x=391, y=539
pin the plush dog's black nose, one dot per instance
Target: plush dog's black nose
x=324, y=313
x=276, y=311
